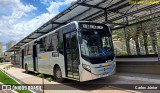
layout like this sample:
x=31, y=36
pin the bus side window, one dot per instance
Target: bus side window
x=25, y=50
x=30, y=49
x=41, y=46
x=51, y=42
x=59, y=42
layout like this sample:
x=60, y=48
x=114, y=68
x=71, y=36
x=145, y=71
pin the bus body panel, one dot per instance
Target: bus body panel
x=46, y=61
x=43, y=63
x=97, y=70
x=84, y=74
x=28, y=60
x=103, y=69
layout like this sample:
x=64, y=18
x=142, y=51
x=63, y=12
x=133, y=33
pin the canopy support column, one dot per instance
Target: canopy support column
x=105, y=15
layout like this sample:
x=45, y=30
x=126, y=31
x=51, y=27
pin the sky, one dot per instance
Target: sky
x=18, y=18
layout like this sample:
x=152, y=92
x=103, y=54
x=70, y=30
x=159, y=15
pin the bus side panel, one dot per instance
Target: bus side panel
x=56, y=58
x=47, y=61
x=29, y=61
x=43, y=63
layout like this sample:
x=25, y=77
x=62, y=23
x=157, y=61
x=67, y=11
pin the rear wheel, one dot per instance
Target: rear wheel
x=26, y=68
x=58, y=74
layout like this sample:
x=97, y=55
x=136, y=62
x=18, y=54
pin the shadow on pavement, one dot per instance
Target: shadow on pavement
x=98, y=84
x=75, y=85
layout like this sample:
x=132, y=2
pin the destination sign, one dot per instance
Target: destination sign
x=91, y=26
x=87, y=26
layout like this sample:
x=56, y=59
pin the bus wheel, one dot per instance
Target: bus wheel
x=26, y=68
x=58, y=74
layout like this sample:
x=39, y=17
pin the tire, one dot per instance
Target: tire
x=58, y=74
x=26, y=69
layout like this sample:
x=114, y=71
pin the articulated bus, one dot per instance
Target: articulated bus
x=80, y=50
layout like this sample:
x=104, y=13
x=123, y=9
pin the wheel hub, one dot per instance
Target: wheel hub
x=58, y=74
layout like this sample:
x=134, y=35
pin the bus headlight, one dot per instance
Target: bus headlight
x=86, y=67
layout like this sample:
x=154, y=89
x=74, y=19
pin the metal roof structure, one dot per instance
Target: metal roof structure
x=115, y=13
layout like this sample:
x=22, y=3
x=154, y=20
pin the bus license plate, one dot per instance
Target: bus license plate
x=105, y=74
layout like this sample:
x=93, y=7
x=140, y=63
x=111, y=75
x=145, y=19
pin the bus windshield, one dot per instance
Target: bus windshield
x=96, y=43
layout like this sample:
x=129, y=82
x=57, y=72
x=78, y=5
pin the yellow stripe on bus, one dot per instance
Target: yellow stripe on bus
x=72, y=79
x=104, y=64
x=44, y=57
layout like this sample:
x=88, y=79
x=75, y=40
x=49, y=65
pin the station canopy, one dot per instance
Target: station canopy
x=115, y=13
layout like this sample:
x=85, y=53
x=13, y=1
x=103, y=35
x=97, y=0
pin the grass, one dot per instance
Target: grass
x=7, y=80
x=151, y=52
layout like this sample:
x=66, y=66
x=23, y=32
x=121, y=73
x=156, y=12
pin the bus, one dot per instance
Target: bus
x=80, y=50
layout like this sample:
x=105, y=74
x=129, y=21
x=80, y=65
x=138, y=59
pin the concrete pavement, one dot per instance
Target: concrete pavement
x=31, y=78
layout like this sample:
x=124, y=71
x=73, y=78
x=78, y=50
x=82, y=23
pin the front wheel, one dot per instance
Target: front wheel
x=58, y=74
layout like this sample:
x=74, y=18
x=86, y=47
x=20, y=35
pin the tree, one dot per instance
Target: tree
x=153, y=35
x=119, y=35
x=41, y=75
x=136, y=34
x=128, y=36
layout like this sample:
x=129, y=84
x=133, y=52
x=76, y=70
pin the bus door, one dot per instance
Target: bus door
x=71, y=55
x=34, y=57
x=22, y=58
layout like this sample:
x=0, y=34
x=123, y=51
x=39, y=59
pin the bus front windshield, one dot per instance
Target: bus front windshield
x=96, y=44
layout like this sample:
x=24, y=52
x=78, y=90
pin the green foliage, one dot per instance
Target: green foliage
x=137, y=32
x=7, y=80
x=141, y=41
x=49, y=79
x=151, y=52
x=119, y=35
x=123, y=53
x=1, y=60
x=149, y=41
x=23, y=91
x=40, y=75
x=36, y=72
x=158, y=40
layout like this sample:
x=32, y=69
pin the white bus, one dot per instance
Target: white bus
x=80, y=50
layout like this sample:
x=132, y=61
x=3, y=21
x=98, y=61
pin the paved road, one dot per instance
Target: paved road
x=95, y=86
